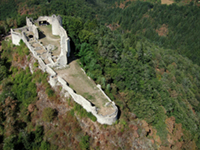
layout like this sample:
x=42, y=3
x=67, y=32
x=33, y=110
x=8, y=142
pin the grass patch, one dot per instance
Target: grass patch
x=88, y=96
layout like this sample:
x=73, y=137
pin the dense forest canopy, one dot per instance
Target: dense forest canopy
x=145, y=56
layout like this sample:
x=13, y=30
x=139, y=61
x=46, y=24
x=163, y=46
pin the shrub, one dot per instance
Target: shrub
x=29, y=57
x=84, y=143
x=45, y=145
x=91, y=116
x=35, y=64
x=50, y=92
x=39, y=133
x=83, y=113
x=48, y=114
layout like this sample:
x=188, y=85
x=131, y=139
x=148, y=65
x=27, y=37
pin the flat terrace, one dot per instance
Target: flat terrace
x=85, y=86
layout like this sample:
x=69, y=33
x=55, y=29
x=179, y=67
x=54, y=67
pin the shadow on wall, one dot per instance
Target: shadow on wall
x=119, y=112
x=41, y=35
x=72, y=53
x=69, y=86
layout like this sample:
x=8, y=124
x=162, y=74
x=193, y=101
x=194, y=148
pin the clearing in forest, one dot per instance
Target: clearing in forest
x=168, y=2
x=163, y=30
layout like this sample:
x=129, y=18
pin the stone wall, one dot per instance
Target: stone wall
x=56, y=24
x=64, y=42
x=62, y=59
x=57, y=29
x=32, y=27
x=16, y=37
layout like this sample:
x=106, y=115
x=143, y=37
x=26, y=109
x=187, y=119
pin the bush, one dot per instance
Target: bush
x=35, y=64
x=50, y=92
x=84, y=143
x=48, y=114
x=45, y=145
x=91, y=116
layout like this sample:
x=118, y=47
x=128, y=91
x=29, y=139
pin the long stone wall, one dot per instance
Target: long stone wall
x=64, y=42
x=108, y=119
x=54, y=78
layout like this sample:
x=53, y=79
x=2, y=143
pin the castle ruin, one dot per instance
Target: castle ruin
x=51, y=50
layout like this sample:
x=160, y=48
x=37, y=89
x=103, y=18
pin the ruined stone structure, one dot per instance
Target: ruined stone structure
x=57, y=29
x=47, y=62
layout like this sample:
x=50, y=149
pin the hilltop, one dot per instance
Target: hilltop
x=144, y=55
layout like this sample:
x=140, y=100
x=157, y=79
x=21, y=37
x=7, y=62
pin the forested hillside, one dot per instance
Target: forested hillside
x=145, y=55
x=172, y=26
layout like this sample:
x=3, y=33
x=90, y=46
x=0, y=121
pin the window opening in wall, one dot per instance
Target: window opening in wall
x=43, y=23
x=30, y=36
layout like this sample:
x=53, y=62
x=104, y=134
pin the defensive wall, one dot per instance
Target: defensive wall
x=57, y=29
x=32, y=27
x=62, y=61
x=108, y=119
x=42, y=65
x=18, y=34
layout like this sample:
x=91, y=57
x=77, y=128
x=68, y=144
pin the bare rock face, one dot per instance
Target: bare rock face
x=145, y=125
x=31, y=108
x=170, y=124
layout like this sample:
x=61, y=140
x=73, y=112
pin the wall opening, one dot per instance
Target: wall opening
x=30, y=36
x=44, y=23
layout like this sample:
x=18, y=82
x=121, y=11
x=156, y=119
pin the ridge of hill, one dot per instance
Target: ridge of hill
x=141, y=64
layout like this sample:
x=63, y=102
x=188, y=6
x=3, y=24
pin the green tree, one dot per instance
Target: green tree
x=84, y=143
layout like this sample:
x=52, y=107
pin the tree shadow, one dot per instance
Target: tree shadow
x=1, y=138
x=55, y=112
x=6, y=63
